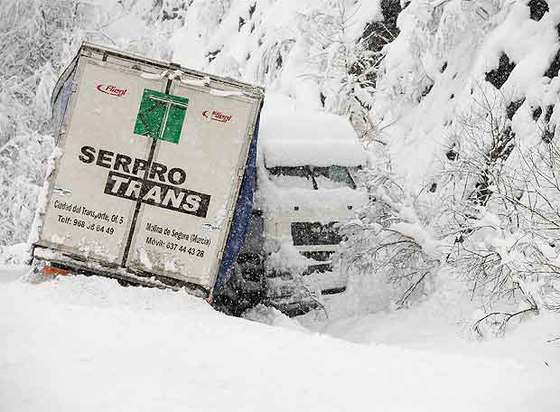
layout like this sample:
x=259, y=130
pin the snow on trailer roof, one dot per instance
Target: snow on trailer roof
x=172, y=70
x=294, y=136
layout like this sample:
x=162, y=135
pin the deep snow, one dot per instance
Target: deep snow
x=87, y=344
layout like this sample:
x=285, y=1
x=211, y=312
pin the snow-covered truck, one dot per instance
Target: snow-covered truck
x=308, y=161
x=153, y=177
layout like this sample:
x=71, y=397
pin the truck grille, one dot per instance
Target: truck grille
x=315, y=233
x=323, y=262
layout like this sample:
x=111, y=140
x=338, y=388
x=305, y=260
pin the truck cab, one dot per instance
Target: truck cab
x=306, y=187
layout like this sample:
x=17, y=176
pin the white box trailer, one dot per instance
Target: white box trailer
x=154, y=174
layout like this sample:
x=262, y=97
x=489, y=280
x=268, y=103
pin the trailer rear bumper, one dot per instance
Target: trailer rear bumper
x=49, y=262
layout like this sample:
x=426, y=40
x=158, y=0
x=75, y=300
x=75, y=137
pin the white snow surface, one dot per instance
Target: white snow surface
x=466, y=38
x=294, y=135
x=76, y=343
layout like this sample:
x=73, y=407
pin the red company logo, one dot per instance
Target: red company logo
x=217, y=116
x=112, y=90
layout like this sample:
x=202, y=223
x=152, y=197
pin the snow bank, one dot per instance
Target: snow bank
x=87, y=344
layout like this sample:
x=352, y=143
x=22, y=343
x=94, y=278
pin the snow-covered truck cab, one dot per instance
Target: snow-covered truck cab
x=306, y=186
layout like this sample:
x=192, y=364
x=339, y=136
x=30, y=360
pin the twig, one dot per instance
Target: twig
x=400, y=303
x=507, y=318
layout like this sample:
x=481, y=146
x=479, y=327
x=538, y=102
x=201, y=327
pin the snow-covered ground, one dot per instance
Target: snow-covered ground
x=87, y=344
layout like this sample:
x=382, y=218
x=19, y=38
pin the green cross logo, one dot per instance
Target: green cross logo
x=161, y=116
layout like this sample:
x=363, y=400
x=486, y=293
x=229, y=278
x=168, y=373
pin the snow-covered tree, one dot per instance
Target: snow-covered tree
x=36, y=39
x=392, y=240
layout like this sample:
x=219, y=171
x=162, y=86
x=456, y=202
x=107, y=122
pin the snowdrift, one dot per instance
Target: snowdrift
x=86, y=344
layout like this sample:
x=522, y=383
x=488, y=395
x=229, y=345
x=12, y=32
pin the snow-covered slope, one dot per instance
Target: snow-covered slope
x=457, y=59
x=466, y=111
x=87, y=344
x=294, y=47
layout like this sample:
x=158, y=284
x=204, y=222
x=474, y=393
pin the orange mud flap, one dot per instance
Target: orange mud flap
x=53, y=271
x=42, y=271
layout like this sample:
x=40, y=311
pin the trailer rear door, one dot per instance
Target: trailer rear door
x=184, y=238
x=80, y=218
x=150, y=169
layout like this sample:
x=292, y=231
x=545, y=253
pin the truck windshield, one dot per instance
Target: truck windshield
x=333, y=177
x=311, y=177
x=292, y=177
